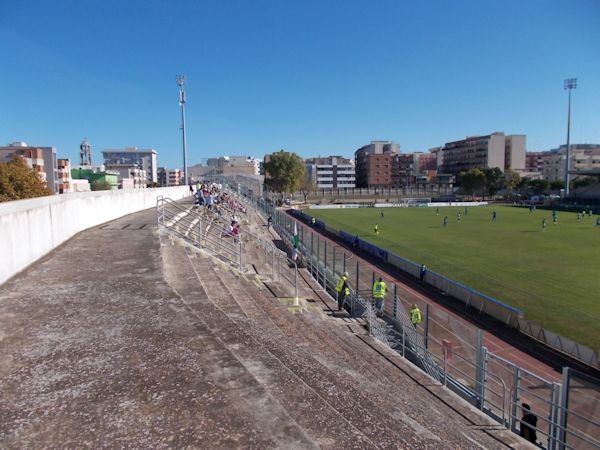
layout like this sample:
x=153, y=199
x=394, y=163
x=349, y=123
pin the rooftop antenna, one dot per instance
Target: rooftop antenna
x=181, y=83
x=85, y=153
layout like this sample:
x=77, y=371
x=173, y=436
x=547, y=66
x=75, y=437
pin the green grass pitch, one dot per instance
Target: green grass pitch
x=552, y=275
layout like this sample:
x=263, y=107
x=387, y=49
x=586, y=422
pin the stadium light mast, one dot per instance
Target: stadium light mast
x=181, y=83
x=570, y=84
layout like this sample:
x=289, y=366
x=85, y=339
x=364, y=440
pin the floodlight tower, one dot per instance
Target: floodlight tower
x=181, y=83
x=570, y=84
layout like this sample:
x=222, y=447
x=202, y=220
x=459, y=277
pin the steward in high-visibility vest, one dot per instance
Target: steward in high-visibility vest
x=342, y=290
x=313, y=221
x=379, y=290
x=415, y=315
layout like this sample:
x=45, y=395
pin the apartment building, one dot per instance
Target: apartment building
x=130, y=176
x=553, y=165
x=376, y=164
x=65, y=182
x=134, y=158
x=533, y=162
x=584, y=158
x=427, y=166
x=42, y=159
x=331, y=172
x=170, y=177
x=514, y=152
x=405, y=169
x=492, y=150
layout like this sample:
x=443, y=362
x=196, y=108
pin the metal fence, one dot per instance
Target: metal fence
x=203, y=229
x=450, y=349
x=423, y=189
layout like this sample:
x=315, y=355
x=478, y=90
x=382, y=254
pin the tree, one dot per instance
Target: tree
x=557, y=185
x=523, y=185
x=19, y=181
x=580, y=182
x=284, y=172
x=307, y=186
x=494, y=180
x=538, y=186
x=471, y=180
x=513, y=181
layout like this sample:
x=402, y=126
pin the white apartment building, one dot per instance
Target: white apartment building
x=489, y=151
x=514, y=152
x=170, y=177
x=331, y=172
x=144, y=159
x=129, y=176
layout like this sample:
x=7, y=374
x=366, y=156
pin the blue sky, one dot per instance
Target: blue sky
x=313, y=77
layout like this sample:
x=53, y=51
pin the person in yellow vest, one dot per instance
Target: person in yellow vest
x=379, y=289
x=415, y=315
x=342, y=290
x=376, y=230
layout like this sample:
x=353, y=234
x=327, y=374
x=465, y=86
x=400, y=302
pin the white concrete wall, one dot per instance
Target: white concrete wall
x=31, y=228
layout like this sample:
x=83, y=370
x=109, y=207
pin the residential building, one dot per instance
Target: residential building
x=144, y=159
x=426, y=166
x=42, y=159
x=170, y=177
x=584, y=158
x=553, y=165
x=514, y=152
x=331, y=172
x=374, y=164
x=129, y=176
x=481, y=152
x=406, y=169
x=533, y=162
x=64, y=176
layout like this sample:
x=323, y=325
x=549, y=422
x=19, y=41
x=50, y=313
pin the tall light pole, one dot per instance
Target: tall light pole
x=181, y=83
x=570, y=84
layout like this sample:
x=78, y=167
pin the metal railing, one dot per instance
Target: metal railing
x=207, y=231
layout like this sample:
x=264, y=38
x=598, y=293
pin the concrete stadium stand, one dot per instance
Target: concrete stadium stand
x=31, y=228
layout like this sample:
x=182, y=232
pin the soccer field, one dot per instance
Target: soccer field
x=552, y=275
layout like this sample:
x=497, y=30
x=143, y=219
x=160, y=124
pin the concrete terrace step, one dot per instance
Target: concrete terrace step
x=314, y=374
x=311, y=410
